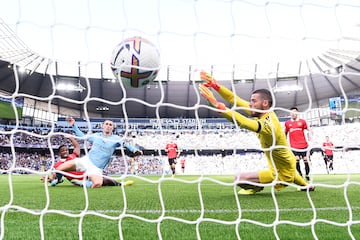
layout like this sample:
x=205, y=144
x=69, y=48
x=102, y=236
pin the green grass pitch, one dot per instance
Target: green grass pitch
x=6, y=111
x=185, y=207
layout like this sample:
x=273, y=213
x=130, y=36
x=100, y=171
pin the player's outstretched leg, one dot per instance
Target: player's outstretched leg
x=113, y=182
x=304, y=186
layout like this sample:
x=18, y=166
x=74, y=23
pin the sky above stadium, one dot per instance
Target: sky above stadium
x=186, y=32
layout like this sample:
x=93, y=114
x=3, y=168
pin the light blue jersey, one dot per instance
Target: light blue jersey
x=103, y=147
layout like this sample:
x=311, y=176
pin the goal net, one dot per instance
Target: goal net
x=55, y=63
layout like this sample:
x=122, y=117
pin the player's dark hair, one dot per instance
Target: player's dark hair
x=108, y=119
x=265, y=94
x=61, y=146
x=294, y=108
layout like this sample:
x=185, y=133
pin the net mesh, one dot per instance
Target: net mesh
x=254, y=43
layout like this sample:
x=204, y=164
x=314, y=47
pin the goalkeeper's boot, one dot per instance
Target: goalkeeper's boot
x=250, y=191
x=210, y=81
x=128, y=183
x=247, y=191
x=309, y=188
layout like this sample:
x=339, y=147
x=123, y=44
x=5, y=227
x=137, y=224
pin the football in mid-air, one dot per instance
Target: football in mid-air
x=135, y=61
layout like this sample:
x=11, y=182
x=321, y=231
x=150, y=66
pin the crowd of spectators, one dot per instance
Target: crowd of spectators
x=342, y=136
x=24, y=162
x=344, y=162
x=32, y=150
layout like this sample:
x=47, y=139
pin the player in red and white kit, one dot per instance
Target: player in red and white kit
x=182, y=164
x=64, y=154
x=79, y=176
x=172, y=153
x=295, y=128
x=328, y=147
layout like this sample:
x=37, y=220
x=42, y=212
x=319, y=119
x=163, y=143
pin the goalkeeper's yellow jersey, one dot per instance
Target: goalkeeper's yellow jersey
x=269, y=131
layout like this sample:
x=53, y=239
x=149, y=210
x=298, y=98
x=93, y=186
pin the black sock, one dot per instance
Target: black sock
x=307, y=168
x=298, y=167
x=59, y=176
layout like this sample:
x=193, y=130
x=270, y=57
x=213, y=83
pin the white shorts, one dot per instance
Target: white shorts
x=83, y=164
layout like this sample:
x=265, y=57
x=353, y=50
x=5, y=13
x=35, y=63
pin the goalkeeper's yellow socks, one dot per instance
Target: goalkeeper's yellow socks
x=299, y=180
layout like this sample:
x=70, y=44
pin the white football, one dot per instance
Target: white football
x=135, y=61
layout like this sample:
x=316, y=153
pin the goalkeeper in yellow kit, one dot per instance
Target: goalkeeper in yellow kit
x=281, y=160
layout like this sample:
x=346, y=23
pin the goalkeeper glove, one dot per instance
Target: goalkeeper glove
x=206, y=93
x=210, y=81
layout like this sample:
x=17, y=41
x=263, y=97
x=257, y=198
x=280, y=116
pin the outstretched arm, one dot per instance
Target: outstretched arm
x=242, y=121
x=76, y=145
x=224, y=92
x=77, y=131
x=133, y=149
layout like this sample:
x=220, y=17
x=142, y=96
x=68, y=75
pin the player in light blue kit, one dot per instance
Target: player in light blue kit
x=98, y=157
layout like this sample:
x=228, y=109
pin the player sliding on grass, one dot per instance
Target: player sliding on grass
x=103, y=146
x=75, y=177
x=269, y=131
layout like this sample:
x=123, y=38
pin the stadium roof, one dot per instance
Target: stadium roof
x=173, y=99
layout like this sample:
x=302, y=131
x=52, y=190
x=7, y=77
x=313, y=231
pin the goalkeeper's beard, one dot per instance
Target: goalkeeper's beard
x=255, y=114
